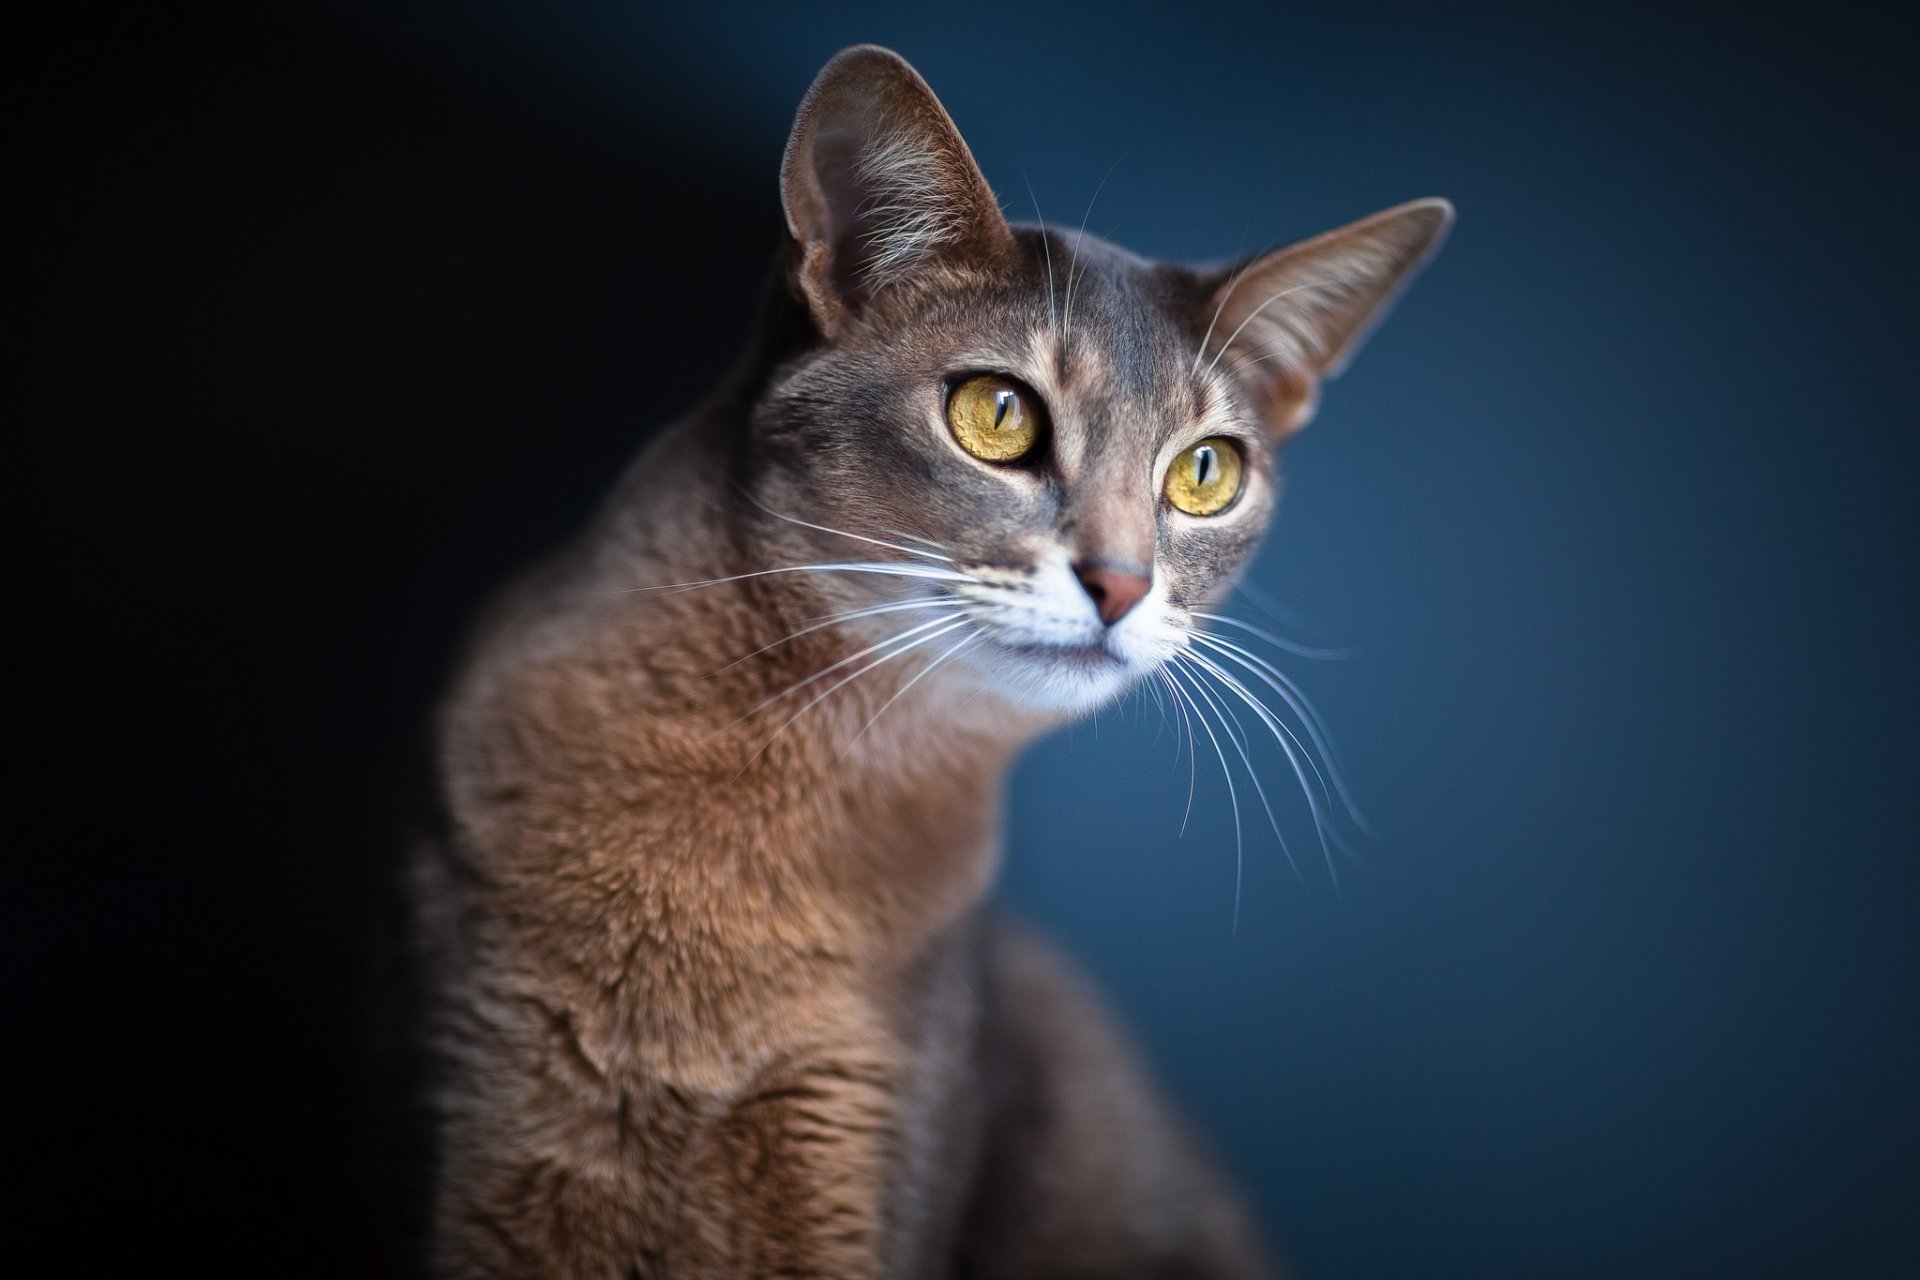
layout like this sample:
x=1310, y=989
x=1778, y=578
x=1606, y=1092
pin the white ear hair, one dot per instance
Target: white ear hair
x=909, y=214
x=1298, y=315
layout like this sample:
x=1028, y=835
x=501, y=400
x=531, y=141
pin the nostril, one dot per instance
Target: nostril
x=1113, y=591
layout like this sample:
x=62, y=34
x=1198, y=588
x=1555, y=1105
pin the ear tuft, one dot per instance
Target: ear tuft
x=908, y=217
x=878, y=184
x=1299, y=315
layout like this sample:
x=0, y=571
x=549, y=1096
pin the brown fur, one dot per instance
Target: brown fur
x=714, y=1000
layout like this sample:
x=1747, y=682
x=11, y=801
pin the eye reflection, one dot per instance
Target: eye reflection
x=993, y=419
x=1206, y=477
x=1206, y=466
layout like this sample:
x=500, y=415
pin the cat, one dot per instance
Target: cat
x=712, y=989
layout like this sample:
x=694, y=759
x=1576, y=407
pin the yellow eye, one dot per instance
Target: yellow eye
x=993, y=419
x=1205, y=478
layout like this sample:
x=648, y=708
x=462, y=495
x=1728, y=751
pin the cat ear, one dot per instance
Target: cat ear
x=878, y=184
x=1297, y=316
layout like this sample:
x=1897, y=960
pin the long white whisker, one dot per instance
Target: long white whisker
x=1310, y=718
x=1233, y=796
x=838, y=685
x=1226, y=713
x=1160, y=706
x=1278, y=680
x=885, y=606
x=1245, y=363
x=1226, y=294
x=1232, y=283
x=1254, y=314
x=1266, y=602
x=848, y=660
x=835, y=619
x=882, y=568
x=1193, y=768
x=1066, y=319
x=1236, y=733
x=1293, y=647
x=1046, y=247
x=1325, y=769
x=920, y=675
x=1290, y=693
x=914, y=537
x=1281, y=735
x=1268, y=716
x=858, y=537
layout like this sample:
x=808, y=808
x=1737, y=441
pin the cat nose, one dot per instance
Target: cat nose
x=1113, y=591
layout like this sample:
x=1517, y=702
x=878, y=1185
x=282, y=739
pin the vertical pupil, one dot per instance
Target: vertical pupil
x=1206, y=467
x=1002, y=405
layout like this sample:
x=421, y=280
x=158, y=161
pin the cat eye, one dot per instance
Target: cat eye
x=1206, y=477
x=994, y=419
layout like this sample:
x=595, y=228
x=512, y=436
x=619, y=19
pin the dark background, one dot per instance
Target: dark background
x=329, y=317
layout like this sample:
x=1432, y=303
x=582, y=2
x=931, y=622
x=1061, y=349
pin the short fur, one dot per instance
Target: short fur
x=712, y=991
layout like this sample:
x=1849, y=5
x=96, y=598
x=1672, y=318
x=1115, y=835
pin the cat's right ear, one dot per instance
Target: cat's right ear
x=1299, y=314
x=878, y=185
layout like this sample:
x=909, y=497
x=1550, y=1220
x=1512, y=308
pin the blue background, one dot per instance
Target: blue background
x=1615, y=515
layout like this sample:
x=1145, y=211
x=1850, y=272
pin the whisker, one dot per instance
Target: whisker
x=1066, y=319
x=1266, y=602
x=920, y=675
x=1268, y=715
x=1243, y=363
x=883, y=568
x=1193, y=769
x=1233, y=283
x=821, y=528
x=838, y=685
x=1240, y=744
x=1146, y=687
x=1281, y=735
x=1226, y=294
x=851, y=658
x=1282, y=684
x=1291, y=646
x=1046, y=247
x=1254, y=314
x=1233, y=796
x=885, y=606
x=834, y=619
x=1310, y=718
x=914, y=537
x=1288, y=692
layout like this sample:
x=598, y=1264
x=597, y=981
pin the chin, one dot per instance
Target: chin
x=1055, y=680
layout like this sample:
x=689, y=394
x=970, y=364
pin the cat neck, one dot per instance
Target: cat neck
x=604, y=688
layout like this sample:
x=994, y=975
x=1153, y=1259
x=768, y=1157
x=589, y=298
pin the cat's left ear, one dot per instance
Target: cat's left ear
x=1289, y=320
x=879, y=185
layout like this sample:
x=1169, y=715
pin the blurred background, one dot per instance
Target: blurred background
x=330, y=316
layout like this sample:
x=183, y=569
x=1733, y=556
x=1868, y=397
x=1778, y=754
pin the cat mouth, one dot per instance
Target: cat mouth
x=1093, y=653
x=1071, y=670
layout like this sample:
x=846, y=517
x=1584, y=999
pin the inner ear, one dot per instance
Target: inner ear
x=1288, y=320
x=878, y=185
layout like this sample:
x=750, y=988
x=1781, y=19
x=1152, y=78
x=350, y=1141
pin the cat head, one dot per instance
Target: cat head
x=1061, y=449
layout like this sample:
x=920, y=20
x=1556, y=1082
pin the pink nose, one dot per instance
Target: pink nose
x=1112, y=591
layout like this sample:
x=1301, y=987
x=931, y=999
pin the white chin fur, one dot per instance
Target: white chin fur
x=1044, y=649
x=1035, y=680
x=1041, y=669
